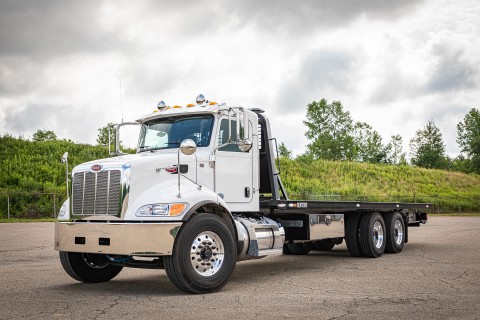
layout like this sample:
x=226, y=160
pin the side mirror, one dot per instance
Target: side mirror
x=188, y=147
x=129, y=141
x=245, y=145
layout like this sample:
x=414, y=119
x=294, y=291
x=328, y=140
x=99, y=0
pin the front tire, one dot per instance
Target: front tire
x=204, y=255
x=372, y=235
x=88, y=267
x=395, y=231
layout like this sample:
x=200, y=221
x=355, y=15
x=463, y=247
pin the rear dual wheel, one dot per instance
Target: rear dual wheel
x=372, y=235
x=395, y=231
x=352, y=238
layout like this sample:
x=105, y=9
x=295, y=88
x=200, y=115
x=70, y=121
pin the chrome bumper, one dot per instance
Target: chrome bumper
x=145, y=239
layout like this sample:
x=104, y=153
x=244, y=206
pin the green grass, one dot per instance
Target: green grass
x=16, y=220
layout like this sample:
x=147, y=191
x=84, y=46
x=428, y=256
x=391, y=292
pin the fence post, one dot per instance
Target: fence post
x=438, y=203
x=8, y=206
x=54, y=208
x=458, y=202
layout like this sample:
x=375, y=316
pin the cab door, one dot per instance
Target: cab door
x=233, y=168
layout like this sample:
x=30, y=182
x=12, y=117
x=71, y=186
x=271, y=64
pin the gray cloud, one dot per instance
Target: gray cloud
x=67, y=121
x=19, y=75
x=294, y=16
x=452, y=71
x=53, y=52
x=48, y=28
x=320, y=73
x=393, y=85
x=325, y=68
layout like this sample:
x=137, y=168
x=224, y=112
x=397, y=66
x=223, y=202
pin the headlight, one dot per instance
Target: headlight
x=161, y=209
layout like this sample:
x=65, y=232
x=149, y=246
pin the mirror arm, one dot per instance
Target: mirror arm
x=245, y=125
x=178, y=172
x=187, y=147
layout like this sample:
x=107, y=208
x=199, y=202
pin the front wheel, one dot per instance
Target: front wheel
x=88, y=267
x=204, y=255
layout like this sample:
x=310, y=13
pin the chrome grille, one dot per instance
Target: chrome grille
x=96, y=193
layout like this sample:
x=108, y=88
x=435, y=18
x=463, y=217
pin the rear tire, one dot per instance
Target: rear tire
x=395, y=232
x=352, y=239
x=204, y=255
x=88, y=267
x=372, y=235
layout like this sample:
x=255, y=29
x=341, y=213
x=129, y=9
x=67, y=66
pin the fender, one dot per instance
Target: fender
x=219, y=208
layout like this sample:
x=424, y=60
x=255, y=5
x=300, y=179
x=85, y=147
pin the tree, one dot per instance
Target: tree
x=330, y=130
x=468, y=138
x=102, y=138
x=44, y=135
x=427, y=148
x=394, y=149
x=368, y=143
x=284, y=151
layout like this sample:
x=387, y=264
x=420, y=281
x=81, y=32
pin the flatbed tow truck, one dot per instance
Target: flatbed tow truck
x=201, y=193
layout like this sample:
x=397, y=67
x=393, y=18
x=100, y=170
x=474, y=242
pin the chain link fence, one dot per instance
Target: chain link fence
x=30, y=205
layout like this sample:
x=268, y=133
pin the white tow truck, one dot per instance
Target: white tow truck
x=202, y=192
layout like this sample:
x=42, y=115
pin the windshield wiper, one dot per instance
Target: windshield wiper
x=148, y=148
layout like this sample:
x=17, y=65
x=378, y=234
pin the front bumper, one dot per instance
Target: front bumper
x=142, y=239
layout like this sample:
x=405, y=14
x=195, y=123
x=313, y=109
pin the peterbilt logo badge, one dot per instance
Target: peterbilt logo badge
x=96, y=167
x=328, y=220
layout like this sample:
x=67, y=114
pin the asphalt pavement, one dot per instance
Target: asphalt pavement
x=437, y=276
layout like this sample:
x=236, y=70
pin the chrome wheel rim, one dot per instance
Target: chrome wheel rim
x=378, y=234
x=207, y=253
x=398, y=232
x=95, y=261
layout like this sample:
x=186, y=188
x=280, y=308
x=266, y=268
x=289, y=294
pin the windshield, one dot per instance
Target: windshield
x=169, y=132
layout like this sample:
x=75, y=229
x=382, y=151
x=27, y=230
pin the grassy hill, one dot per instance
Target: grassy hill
x=381, y=182
x=33, y=177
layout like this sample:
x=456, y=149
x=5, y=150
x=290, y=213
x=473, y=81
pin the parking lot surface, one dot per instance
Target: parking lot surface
x=437, y=276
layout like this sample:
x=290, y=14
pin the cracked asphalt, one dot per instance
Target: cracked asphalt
x=437, y=276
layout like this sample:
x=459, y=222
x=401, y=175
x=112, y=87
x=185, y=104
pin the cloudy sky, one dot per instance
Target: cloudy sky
x=393, y=64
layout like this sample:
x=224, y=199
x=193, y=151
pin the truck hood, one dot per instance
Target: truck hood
x=145, y=161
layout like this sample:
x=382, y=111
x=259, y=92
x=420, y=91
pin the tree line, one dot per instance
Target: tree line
x=334, y=135
x=30, y=167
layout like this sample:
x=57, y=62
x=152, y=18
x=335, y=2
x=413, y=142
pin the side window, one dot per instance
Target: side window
x=156, y=139
x=223, y=136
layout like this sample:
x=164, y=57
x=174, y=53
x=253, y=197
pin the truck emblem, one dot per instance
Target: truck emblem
x=96, y=167
x=328, y=220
